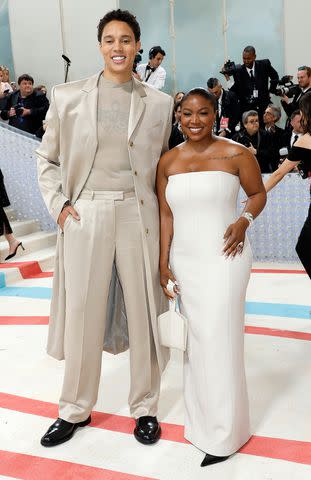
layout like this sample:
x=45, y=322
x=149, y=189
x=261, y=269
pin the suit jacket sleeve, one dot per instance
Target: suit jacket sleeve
x=49, y=168
x=234, y=116
x=273, y=75
x=168, y=127
x=41, y=106
x=6, y=104
x=289, y=108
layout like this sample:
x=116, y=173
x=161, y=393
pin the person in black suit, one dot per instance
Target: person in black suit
x=228, y=110
x=304, y=82
x=291, y=135
x=251, y=82
x=25, y=109
x=257, y=140
x=271, y=116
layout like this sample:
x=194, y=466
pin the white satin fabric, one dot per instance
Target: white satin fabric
x=213, y=292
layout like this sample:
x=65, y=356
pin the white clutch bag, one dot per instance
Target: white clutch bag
x=173, y=327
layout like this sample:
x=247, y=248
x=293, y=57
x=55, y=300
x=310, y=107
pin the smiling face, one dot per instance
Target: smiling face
x=197, y=117
x=118, y=47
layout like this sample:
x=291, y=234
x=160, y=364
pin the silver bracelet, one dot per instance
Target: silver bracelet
x=249, y=217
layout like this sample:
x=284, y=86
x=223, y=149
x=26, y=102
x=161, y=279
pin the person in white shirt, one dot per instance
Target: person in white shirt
x=5, y=87
x=152, y=72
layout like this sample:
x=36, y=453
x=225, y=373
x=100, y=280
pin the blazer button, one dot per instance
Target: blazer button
x=131, y=144
x=135, y=173
x=147, y=231
x=142, y=202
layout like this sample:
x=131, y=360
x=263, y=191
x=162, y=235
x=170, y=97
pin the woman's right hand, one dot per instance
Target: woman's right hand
x=68, y=210
x=166, y=275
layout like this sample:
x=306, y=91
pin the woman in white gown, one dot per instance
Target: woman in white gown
x=205, y=251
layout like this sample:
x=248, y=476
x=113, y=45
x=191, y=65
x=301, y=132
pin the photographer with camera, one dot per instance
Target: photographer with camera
x=251, y=81
x=257, y=140
x=295, y=92
x=152, y=72
x=25, y=109
x=228, y=109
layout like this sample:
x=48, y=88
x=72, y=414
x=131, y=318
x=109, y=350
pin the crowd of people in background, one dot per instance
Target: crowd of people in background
x=24, y=107
x=245, y=112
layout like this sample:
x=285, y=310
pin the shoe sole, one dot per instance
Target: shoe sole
x=64, y=440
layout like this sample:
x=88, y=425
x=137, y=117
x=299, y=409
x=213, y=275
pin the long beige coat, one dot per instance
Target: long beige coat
x=65, y=158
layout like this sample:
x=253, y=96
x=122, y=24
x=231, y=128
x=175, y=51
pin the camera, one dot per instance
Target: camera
x=229, y=68
x=18, y=109
x=287, y=87
x=137, y=60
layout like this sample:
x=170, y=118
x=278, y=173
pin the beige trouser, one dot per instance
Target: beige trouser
x=109, y=230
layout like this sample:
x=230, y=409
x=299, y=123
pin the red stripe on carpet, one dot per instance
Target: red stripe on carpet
x=272, y=332
x=28, y=269
x=24, y=320
x=29, y=467
x=270, y=270
x=278, y=448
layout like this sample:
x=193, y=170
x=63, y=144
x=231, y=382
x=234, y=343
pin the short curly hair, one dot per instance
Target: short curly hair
x=121, y=16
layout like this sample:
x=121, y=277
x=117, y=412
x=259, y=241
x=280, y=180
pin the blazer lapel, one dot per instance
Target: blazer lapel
x=137, y=106
x=88, y=114
x=90, y=92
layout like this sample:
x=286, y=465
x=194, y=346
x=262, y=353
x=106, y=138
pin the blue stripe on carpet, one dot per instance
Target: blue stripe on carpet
x=29, y=292
x=252, y=308
x=278, y=310
x=2, y=279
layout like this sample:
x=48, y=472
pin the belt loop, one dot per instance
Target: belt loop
x=92, y=195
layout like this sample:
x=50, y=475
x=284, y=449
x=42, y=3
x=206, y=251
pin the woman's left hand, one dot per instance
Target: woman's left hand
x=234, y=237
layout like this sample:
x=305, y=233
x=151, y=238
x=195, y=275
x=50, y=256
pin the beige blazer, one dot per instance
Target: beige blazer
x=65, y=158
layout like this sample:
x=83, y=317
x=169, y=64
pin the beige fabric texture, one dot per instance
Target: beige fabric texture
x=116, y=225
x=65, y=158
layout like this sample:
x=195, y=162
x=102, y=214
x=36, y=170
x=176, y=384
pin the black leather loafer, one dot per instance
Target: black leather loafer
x=210, y=459
x=148, y=430
x=61, y=431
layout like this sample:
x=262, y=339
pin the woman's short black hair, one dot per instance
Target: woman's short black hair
x=202, y=93
x=305, y=108
x=121, y=16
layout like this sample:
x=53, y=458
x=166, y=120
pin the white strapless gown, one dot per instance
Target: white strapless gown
x=213, y=292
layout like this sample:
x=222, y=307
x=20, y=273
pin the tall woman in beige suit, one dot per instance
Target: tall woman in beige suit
x=97, y=166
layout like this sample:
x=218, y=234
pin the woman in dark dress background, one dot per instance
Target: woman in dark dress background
x=299, y=156
x=5, y=227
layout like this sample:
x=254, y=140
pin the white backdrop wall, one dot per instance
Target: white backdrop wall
x=297, y=17
x=38, y=43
